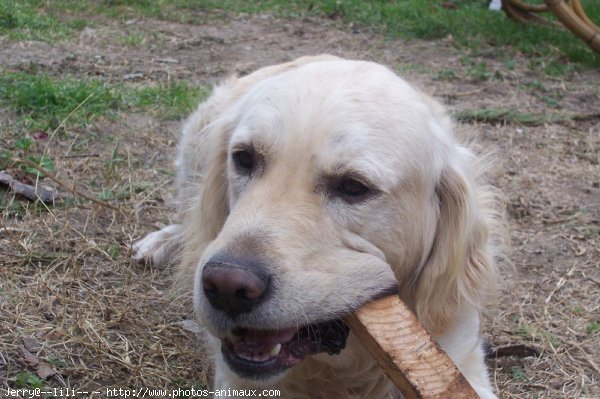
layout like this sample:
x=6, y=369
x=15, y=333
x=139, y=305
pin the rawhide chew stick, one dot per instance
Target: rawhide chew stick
x=406, y=352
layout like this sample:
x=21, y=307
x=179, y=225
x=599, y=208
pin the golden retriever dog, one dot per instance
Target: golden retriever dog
x=307, y=189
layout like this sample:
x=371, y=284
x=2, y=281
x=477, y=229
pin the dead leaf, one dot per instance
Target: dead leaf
x=31, y=344
x=31, y=359
x=44, y=371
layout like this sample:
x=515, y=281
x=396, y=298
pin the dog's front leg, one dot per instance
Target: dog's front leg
x=157, y=247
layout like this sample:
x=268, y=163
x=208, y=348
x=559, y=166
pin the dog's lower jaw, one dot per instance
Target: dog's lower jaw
x=260, y=354
x=351, y=374
x=225, y=378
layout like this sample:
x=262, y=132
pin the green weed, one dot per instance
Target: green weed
x=26, y=379
x=503, y=115
x=445, y=74
x=23, y=144
x=111, y=164
x=42, y=101
x=133, y=39
x=518, y=373
x=43, y=162
x=173, y=100
x=6, y=158
x=536, y=85
x=479, y=71
x=558, y=68
x=593, y=328
x=114, y=250
x=21, y=148
x=578, y=310
x=106, y=194
x=22, y=20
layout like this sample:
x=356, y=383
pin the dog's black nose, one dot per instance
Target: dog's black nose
x=234, y=287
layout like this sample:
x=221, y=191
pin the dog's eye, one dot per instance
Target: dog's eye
x=244, y=160
x=352, y=189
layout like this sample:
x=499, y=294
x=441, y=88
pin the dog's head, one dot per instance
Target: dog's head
x=330, y=184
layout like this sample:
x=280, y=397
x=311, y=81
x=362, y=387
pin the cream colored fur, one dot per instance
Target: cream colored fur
x=432, y=227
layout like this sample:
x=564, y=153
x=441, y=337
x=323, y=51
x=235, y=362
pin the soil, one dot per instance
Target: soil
x=65, y=275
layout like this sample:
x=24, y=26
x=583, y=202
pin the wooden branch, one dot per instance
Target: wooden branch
x=406, y=352
x=28, y=191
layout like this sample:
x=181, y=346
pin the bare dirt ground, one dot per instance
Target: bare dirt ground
x=73, y=304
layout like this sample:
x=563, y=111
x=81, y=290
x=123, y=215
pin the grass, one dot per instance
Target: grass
x=508, y=116
x=22, y=20
x=42, y=101
x=28, y=380
x=133, y=39
x=518, y=373
x=172, y=100
x=593, y=328
x=470, y=23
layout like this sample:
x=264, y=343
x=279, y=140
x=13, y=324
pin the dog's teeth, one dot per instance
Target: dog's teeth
x=275, y=351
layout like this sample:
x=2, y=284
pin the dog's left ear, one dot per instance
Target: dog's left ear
x=459, y=270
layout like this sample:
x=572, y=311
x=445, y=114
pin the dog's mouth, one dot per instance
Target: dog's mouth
x=260, y=354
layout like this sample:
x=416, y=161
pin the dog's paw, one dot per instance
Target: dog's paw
x=157, y=247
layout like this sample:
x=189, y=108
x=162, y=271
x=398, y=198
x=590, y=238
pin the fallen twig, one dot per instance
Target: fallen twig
x=560, y=283
x=28, y=191
x=80, y=156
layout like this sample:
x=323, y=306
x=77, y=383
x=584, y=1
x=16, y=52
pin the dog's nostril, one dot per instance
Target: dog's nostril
x=233, y=288
x=209, y=286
